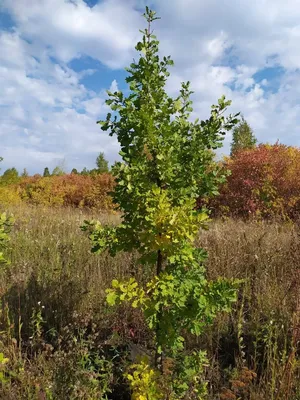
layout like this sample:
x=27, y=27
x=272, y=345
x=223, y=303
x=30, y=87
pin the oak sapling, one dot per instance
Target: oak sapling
x=166, y=159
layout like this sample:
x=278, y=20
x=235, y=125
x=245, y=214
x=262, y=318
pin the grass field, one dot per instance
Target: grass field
x=62, y=341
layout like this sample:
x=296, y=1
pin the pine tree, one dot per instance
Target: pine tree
x=242, y=137
x=46, y=172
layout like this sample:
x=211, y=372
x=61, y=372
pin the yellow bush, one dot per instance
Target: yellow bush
x=9, y=195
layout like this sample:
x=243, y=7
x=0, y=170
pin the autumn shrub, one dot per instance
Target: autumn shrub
x=68, y=190
x=264, y=182
x=9, y=195
x=98, y=195
x=41, y=191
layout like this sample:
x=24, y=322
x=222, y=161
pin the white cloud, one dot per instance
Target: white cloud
x=47, y=114
x=114, y=86
x=107, y=31
x=256, y=29
x=38, y=101
x=247, y=37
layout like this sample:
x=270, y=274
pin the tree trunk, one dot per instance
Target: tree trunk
x=158, y=356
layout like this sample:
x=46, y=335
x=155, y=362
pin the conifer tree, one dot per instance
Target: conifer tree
x=46, y=172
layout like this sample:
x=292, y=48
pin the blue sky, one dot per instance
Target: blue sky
x=58, y=58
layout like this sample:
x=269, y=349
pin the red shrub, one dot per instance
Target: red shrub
x=264, y=181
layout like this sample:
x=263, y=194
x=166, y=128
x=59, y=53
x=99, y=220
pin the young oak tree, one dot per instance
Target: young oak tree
x=164, y=170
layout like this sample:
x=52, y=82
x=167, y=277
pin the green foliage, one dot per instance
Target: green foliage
x=10, y=176
x=189, y=302
x=102, y=164
x=74, y=171
x=46, y=172
x=3, y=362
x=85, y=171
x=242, y=138
x=5, y=227
x=187, y=382
x=146, y=383
x=166, y=159
x=58, y=171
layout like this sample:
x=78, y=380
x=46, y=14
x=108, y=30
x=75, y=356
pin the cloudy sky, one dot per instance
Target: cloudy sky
x=58, y=58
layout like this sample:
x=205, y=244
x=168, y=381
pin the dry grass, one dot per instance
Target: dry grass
x=262, y=331
x=52, y=267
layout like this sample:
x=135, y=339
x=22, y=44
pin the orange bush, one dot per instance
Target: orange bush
x=264, y=181
x=68, y=190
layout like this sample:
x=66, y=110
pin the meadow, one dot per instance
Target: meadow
x=61, y=341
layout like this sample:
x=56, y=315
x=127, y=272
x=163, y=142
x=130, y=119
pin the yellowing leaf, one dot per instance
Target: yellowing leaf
x=111, y=298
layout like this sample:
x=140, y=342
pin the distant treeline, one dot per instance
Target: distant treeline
x=263, y=182
x=11, y=175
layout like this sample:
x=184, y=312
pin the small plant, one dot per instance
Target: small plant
x=144, y=381
x=168, y=164
x=241, y=383
x=3, y=362
x=5, y=227
x=37, y=322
